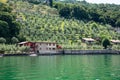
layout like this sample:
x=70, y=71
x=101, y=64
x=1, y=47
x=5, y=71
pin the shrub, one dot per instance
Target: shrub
x=14, y=40
x=2, y=40
x=105, y=43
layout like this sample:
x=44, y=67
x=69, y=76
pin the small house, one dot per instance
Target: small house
x=28, y=44
x=115, y=41
x=88, y=40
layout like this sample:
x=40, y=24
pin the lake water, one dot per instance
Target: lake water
x=68, y=67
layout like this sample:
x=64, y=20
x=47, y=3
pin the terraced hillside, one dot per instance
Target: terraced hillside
x=42, y=23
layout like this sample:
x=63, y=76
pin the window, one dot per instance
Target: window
x=53, y=48
x=53, y=44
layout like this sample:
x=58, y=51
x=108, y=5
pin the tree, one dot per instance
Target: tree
x=94, y=16
x=4, y=29
x=21, y=38
x=2, y=40
x=8, y=25
x=14, y=40
x=5, y=8
x=14, y=29
x=105, y=43
x=118, y=23
x=79, y=13
x=65, y=12
x=5, y=16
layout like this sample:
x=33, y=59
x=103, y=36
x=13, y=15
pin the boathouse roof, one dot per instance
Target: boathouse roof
x=23, y=42
x=36, y=42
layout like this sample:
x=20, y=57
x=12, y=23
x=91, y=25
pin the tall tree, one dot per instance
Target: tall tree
x=4, y=29
x=105, y=43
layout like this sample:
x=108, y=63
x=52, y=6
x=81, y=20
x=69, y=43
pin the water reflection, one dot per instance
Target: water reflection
x=75, y=67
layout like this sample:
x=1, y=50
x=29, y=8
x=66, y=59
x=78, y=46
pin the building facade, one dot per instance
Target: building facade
x=41, y=47
x=45, y=47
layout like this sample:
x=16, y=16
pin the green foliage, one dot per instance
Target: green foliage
x=5, y=16
x=116, y=47
x=35, y=1
x=8, y=25
x=47, y=2
x=4, y=29
x=14, y=28
x=76, y=12
x=81, y=10
x=38, y=22
x=65, y=12
x=118, y=22
x=21, y=38
x=79, y=13
x=14, y=40
x=102, y=13
x=2, y=40
x=105, y=43
x=5, y=8
x=13, y=49
x=39, y=26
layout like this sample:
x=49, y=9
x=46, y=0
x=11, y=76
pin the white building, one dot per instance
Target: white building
x=45, y=47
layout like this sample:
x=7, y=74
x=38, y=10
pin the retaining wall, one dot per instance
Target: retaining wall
x=91, y=52
x=71, y=52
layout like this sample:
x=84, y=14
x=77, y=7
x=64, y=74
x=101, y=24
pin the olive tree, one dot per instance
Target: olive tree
x=2, y=40
x=14, y=40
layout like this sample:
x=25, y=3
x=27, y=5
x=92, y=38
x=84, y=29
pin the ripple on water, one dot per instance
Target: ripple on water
x=57, y=78
x=97, y=79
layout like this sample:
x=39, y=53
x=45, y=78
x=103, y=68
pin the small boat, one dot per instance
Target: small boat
x=33, y=55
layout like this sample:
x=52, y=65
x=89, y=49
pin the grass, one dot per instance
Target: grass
x=12, y=48
x=82, y=46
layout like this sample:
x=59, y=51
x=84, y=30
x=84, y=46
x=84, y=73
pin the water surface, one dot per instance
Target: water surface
x=69, y=67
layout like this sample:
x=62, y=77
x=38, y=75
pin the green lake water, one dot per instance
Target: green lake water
x=68, y=67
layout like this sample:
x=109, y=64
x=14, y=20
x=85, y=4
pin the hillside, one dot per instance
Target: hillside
x=40, y=22
x=9, y=27
x=81, y=10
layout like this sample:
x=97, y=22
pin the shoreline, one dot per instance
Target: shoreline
x=70, y=52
